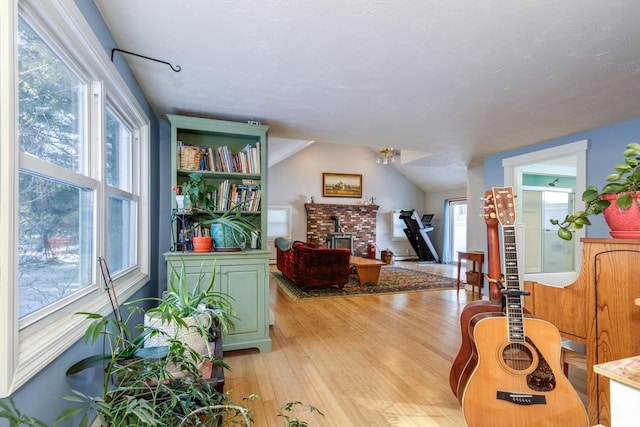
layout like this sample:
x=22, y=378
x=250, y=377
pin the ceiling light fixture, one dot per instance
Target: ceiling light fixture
x=386, y=155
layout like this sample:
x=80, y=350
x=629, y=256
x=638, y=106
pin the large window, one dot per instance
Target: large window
x=56, y=225
x=122, y=206
x=74, y=186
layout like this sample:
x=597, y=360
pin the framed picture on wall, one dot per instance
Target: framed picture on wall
x=341, y=185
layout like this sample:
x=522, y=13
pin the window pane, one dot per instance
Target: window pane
x=118, y=153
x=56, y=241
x=278, y=222
x=398, y=225
x=51, y=104
x=122, y=229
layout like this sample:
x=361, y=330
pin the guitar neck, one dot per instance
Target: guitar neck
x=513, y=293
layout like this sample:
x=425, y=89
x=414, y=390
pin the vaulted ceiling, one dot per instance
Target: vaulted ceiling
x=444, y=81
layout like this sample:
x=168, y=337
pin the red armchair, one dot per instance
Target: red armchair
x=308, y=266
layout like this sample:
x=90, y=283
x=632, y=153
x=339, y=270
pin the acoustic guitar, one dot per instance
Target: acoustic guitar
x=518, y=378
x=473, y=310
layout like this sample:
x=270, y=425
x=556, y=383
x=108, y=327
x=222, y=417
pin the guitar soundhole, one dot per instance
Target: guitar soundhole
x=517, y=356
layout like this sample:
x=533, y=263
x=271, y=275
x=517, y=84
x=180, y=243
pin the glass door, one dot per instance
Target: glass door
x=457, y=228
x=544, y=251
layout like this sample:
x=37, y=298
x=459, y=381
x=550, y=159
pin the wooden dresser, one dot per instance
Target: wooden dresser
x=598, y=309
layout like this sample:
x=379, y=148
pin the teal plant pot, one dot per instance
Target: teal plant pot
x=226, y=239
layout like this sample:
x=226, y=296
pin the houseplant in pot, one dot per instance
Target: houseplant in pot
x=230, y=230
x=139, y=389
x=227, y=230
x=618, y=201
x=155, y=385
x=188, y=310
x=199, y=192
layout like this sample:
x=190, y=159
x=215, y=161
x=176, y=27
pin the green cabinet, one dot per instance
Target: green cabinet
x=244, y=276
x=232, y=157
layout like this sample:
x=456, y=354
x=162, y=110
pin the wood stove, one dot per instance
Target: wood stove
x=340, y=240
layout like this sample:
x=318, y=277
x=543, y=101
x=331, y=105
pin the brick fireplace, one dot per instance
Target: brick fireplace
x=357, y=220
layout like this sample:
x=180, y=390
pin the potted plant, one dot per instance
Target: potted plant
x=228, y=230
x=198, y=195
x=199, y=191
x=188, y=310
x=137, y=389
x=623, y=187
x=161, y=384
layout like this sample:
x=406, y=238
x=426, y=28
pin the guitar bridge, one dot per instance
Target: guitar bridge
x=521, y=398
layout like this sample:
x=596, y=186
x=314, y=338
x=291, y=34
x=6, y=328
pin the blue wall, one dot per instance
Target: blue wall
x=605, y=149
x=40, y=397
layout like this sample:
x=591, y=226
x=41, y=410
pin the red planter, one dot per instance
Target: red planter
x=624, y=223
x=202, y=244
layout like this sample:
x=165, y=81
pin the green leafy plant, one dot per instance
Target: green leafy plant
x=232, y=221
x=186, y=298
x=290, y=413
x=210, y=415
x=10, y=412
x=140, y=389
x=624, y=182
x=197, y=189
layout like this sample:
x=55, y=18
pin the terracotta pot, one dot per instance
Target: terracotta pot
x=202, y=244
x=624, y=223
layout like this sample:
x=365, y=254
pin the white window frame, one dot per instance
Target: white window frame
x=25, y=349
x=513, y=177
x=271, y=211
x=397, y=224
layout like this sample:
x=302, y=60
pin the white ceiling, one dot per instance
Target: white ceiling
x=453, y=80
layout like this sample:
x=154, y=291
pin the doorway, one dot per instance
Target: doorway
x=545, y=251
x=553, y=166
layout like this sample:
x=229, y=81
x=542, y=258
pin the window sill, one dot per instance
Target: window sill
x=40, y=348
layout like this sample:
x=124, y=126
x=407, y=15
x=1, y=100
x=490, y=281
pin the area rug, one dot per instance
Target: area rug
x=392, y=280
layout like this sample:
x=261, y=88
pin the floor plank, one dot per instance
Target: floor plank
x=376, y=360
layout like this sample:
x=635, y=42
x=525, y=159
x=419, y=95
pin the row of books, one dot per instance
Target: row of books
x=228, y=195
x=222, y=159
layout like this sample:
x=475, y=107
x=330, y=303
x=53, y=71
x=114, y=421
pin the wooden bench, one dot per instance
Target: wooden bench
x=368, y=269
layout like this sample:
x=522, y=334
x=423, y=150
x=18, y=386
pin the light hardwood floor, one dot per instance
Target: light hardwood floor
x=364, y=361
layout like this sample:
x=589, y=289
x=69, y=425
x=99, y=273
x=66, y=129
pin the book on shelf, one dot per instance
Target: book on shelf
x=229, y=194
x=222, y=159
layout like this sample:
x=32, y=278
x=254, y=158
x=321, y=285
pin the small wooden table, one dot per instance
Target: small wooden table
x=477, y=257
x=368, y=269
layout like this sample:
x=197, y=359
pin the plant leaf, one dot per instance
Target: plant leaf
x=590, y=194
x=624, y=201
